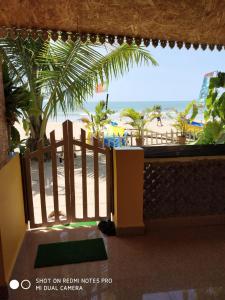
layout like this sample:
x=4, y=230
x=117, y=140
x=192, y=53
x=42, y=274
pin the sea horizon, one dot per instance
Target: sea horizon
x=117, y=106
x=96, y=101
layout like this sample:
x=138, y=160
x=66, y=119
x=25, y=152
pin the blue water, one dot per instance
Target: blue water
x=118, y=106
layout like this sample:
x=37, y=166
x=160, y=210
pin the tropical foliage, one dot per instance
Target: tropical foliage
x=17, y=103
x=183, y=118
x=138, y=120
x=95, y=122
x=214, y=128
x=215, y=101
x=213, y=133
x=62, y=75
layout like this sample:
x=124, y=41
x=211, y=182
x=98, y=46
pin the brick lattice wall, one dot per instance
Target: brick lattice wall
x=184, y=188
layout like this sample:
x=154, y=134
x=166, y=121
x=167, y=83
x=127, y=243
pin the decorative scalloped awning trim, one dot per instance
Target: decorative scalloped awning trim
x=99, y=38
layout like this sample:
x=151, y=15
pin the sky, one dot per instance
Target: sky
x=178, y=77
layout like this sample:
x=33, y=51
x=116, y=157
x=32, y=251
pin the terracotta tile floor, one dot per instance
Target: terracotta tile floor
x=186, y=263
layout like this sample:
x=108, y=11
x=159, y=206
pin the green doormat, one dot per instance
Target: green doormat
x=71, y=252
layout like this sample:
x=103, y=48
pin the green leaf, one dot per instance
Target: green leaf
x=65, y=74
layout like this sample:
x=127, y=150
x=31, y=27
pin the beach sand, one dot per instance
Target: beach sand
x=77, y=184
x=77, y=125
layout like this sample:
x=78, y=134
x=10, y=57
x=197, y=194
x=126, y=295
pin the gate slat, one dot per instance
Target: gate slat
x=84, y=171
x=66, y=169
x=111, y=183
x=54, y=176
x=42, y=182
x=96, y=178
x=71, y=162
x=68, y=145
x=29, y=188
x=108, y=182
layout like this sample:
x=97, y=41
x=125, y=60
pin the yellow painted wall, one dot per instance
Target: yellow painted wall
x=12, y=221
x=2, y=271
x=128, y=187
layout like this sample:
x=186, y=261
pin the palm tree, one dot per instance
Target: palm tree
x=96, y=122
x=17, y=103
x=59, y=74
x=182, y=119
x=21, y=60
x=138, y=121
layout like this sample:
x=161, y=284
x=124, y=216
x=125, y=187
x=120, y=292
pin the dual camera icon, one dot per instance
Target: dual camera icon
x=25, y=284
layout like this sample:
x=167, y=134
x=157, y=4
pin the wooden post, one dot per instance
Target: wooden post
x=71, y=168
x=84, y=172
x=54, y=176
x=96, y=177
x=108, y=181
x=128, y=190
x=66, y=169
x=24, y=185
x=146, y=136
x=29, y=187
x=42, y=182
x=111, y=182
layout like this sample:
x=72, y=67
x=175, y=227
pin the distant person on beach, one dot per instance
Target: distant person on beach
x=159, y=121
x=155, y=112
x=158, y=112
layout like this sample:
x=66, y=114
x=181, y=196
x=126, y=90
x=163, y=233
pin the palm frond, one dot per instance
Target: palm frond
x=66, y=73
x=74, y=69
x=131, y=113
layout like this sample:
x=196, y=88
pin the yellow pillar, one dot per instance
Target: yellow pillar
x=12, y=219
x=128, y=190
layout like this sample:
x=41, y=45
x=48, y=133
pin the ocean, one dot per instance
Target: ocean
x=118, y=106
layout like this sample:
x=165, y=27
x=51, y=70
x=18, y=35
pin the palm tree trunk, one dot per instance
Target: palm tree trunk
x=9, y=135
x=32, y=141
